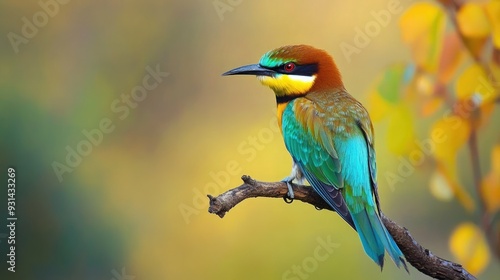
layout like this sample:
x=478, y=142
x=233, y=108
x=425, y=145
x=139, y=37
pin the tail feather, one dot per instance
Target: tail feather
x=373, y=246
x=376, y=239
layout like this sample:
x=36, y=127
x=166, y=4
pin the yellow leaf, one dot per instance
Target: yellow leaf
x=377, y=106
x=490, y=186
x=468, y=245
x=493, y=12
x=472, y=21
x=422, y=26
x=449, y=135
x=474, y=83
x=440, y=187
x=401, y=131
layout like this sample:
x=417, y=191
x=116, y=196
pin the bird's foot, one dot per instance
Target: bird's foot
x=289, y=195
x=295, y=175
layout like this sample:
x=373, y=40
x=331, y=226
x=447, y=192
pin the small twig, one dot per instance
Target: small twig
x=419, y=257
x=476, y=173
x=476, y=168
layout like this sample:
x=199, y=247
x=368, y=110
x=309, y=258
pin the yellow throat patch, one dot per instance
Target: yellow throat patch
x=288, y=84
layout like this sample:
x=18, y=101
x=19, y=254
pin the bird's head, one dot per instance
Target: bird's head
x=294, y=70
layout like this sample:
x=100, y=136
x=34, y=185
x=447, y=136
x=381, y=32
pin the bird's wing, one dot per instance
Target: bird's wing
x=312, y=149
x=367, y=129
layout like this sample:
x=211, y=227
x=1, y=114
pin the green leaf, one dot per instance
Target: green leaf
x=389, y=87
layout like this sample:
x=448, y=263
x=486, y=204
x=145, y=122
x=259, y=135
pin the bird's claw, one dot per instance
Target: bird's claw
x=289, y=195
x=287, y=199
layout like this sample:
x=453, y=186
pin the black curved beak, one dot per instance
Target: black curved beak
x=252, y=69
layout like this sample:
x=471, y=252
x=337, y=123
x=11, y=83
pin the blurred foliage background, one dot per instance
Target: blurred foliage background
x=134, y=200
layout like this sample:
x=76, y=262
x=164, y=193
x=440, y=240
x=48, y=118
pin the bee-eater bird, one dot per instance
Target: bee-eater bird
x=330, y=137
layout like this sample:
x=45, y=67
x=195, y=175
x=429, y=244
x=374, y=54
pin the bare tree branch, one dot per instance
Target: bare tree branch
x=419, y=257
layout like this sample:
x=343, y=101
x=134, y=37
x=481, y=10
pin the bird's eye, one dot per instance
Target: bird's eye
x=289, y=67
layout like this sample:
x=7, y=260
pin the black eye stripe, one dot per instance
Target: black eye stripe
x=302, y=70
x=306, y=70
